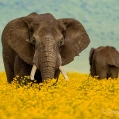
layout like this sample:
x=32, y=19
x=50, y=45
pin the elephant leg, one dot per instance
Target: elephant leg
x=8, y=69
x=57, y=73
x=101, y=71
x=113, y=72
x=37, y=76
x=21, y=68
x=102, y=74
x=93, y=70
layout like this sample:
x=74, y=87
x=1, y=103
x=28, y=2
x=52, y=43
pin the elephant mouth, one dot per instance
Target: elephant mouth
x=34, y=68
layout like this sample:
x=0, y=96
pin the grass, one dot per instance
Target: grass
x=82, y=97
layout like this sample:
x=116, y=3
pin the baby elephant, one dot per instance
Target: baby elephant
x=104, y=62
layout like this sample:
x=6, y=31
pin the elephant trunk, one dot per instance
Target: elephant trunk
x=47, y=65
x=47, y=73
x=45, y=59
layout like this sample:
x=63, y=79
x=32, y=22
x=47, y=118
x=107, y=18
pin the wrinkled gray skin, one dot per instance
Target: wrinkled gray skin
x=104, y=62
x=42, y=40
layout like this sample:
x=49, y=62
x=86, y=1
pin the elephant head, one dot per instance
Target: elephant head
x=47, y=43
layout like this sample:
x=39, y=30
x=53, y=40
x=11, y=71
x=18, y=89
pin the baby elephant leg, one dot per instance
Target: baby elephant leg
x=113, y=72
x=101, y=72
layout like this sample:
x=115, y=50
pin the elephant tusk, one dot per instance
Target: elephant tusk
x=33, y=71
x=63, y=73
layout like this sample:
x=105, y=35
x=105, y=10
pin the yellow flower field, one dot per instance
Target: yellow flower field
x=82, y=97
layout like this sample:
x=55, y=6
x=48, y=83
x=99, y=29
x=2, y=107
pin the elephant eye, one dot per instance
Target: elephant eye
x=61, y=42
x=33, y=41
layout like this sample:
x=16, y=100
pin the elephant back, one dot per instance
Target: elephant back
x=107, y=55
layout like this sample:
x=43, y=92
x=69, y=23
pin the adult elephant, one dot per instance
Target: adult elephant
x=38, y=45
x=104, y=62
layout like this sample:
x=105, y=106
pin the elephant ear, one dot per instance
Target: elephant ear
x=76, y=39
x=113, y=58
x=91, y=55
x=18, y=35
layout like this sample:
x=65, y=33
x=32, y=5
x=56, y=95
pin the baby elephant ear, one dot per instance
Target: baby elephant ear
x=76, y=39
